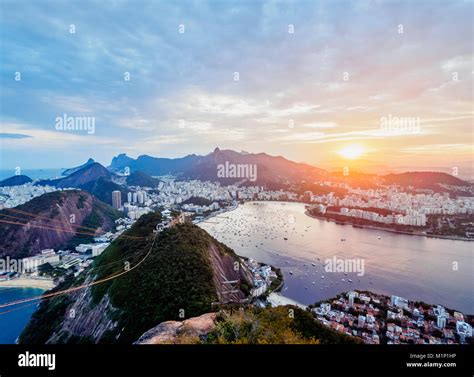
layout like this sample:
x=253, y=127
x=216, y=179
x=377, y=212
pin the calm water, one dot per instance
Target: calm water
x=32, y=173
x=417, y=268
x=11, y=324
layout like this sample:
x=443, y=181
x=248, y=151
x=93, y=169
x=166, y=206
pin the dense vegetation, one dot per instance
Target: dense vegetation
x=280, y=325
x=176, y=278
x=94, y=220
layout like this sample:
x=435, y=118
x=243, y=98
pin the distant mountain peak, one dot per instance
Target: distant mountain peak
x=74, y=169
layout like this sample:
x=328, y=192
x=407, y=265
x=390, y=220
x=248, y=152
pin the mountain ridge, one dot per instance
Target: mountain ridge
x=49, y=225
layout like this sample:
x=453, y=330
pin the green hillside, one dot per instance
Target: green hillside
x=175, y=278
x=280, y=325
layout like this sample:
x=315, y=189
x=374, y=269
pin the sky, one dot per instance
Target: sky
x=385, y=84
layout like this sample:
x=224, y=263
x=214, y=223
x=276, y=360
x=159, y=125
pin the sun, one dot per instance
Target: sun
x=351, y=151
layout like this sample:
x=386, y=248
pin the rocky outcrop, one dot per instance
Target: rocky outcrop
x=81, y=319
x=227, y=270
x=172, y=331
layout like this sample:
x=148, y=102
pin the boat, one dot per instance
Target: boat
x=313, y=264
x=349, y=280
x=286, y=239
x=379, y=238
x=291, y=272
x=322, y=277
x=343, y=279
x=343, y=239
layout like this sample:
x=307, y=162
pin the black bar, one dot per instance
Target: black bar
x=240, y=360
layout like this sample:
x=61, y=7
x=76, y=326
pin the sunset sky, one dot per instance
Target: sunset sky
x=318, y=95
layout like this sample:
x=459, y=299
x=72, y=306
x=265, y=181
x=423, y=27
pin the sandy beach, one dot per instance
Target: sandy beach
x=27, y=283
x=276, y=299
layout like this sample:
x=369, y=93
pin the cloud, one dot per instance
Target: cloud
x=44, y=140
x=181, y=97
x=321, y=125
x=439, y=148
x=4, y=135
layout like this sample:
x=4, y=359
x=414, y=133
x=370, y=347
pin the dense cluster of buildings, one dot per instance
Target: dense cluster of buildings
x=78, y=258
x=394, y=200
x=413, y=219
x=379, y=319
x=176, y=192
x=262, y=275
x=171, y=194
x=12, y=196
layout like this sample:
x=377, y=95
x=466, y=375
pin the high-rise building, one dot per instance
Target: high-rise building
x=361, y=321
x=116, y=199
x=441, y=321
x=351, y=299
x=129, y=197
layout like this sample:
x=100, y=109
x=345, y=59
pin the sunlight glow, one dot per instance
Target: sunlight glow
x=352, y=151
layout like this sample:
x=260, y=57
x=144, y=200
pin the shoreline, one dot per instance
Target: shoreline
x=277, y=299
x=217, y=213
x=374, y=227
x=45, y=284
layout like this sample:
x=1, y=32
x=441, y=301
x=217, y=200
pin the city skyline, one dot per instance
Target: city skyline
x=378, y=85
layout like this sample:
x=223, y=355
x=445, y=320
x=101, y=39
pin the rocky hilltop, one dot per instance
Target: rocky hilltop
x=179, y=331
x=278, y=325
